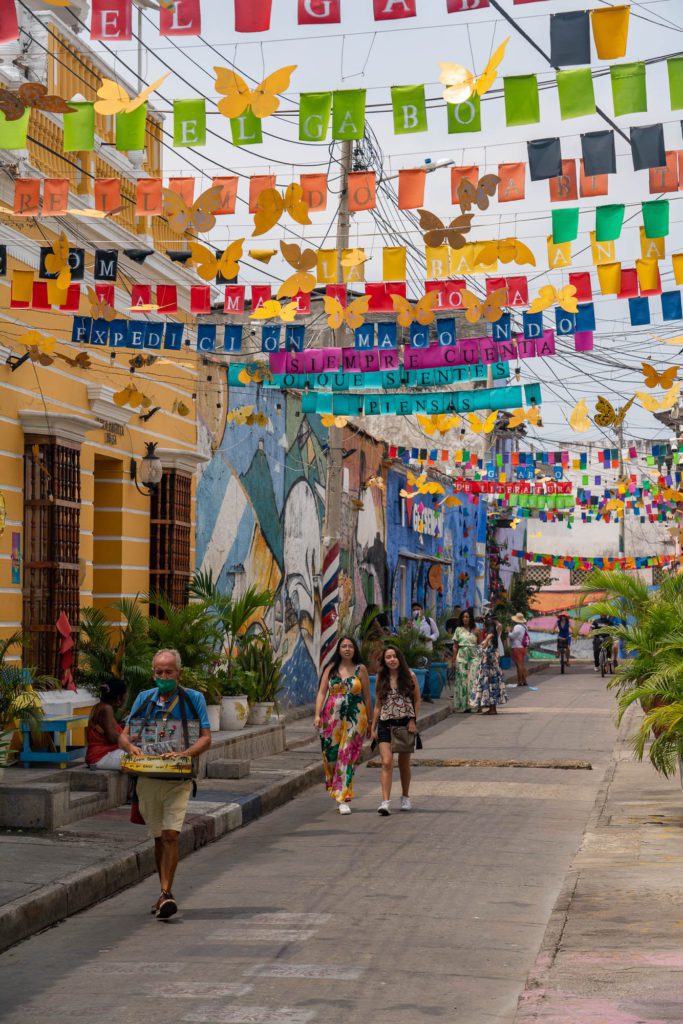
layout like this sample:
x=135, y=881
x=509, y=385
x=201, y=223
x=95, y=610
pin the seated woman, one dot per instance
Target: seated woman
x=103, y=730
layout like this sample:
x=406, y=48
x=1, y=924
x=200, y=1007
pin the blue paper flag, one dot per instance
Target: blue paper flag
x=639, y=308
x=671, y=306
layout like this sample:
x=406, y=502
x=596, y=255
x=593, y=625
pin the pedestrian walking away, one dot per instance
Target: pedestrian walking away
x=394, y=724
x=489, y=689
x=519, y=643
x=342, y=715
x=429, y=633
x=102, y=734
x=466, y=657
x=161, y=722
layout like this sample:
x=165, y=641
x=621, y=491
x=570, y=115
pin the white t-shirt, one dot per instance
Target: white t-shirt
x=517, y=635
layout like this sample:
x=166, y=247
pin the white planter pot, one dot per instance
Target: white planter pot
x=6, y=754
x=214, y=713
x=234, y=713
x=261, y=714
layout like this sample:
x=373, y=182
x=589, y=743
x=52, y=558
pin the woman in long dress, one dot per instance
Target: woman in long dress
x=343, y=713
x=489, y=689
x=466, y=658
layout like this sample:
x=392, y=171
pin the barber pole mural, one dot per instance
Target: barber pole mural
x=330, y=606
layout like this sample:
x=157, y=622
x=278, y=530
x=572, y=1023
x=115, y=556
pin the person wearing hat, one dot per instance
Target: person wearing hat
x=519, y=641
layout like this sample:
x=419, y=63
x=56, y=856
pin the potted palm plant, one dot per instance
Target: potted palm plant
x=409, y=640
x=123, y=650
x=258, y=661
x=19, y=704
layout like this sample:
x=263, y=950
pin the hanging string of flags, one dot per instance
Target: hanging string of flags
x=568, y=562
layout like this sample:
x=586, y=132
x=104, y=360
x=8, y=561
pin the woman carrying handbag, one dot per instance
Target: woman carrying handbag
x=394, y=723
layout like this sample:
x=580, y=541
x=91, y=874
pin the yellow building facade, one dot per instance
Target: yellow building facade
x=77, y=529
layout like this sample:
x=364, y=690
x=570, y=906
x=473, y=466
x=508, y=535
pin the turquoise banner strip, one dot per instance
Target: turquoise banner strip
x=386, y=379
x=427, y=404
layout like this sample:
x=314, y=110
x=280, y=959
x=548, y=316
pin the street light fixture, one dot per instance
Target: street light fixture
x=151, y=470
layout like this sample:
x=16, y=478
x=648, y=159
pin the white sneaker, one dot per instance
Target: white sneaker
x=383, y=809
x=406, y=804
x=344, y=808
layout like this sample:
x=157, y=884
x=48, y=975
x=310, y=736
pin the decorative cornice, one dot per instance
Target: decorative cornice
x=184, y=461
x=102, y=405
x=61, y=426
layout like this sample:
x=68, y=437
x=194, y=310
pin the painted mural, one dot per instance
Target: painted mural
x=260, y=510
x=364, y=559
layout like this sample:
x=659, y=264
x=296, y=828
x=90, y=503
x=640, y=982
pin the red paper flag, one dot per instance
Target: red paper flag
x=380, y=299
x=362, y=191
x=518, y=291
x=252, y=15
x=257, y=184
x=184, y=187
x=9, y=26
x=582, y=283
x=200, y=298
x=73, y=299
x=105, y=294
x=315, y=190
x=149, y=199
x=303, y=302
x=629, y=283
x=665, y=179
x=592, y=184
x=234, y=299
x=228, y=195
x=167, y=298
x=107, y=194
x=494, y=283
x=140, y=295
x=184, y=18
x=411, y=188
x=111, y=19
x=338, y=292
x=27, y=196
x=563, y=189
x=39, y=299
x=319, y=12
x=260, y=293
x=450, y=292
x=391, y=10
x=459, y=174
x=512, y=182
x=55, y=196
x=457, y=6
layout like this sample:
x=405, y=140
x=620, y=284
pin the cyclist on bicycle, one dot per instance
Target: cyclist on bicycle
x=563, y=628
x=599, y=639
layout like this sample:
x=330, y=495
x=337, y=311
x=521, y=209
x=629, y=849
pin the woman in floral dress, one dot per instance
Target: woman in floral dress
x=466, y=658
x=342, y=715
x=489, y=688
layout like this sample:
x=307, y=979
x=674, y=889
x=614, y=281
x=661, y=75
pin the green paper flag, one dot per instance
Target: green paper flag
x=521, y=100
x=246, y=130
x=410, y=109
x=565, y=225
x=79, y=128
x=189, y=122
x=314, y=115
x=608, y=222
x=13, y=133
x=131, y=129
x=575, y=89
x=464, y=117
x=629, y=91
x=675, y=68
x=656, y=218
x=348, y=114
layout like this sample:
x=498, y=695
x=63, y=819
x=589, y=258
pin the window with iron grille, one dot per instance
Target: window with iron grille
x=170, y=535
x=538, y=574
x=52, y=509
x=579, y=576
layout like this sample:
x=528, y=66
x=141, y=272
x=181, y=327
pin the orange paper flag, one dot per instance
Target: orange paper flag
x=665, y=179
x=149, y=199
x=411, y=188
x=228, y=184
x=512, y=181
x=107, y=194
x=315, y=190
x=564, y=188
x=55, y=196
x=459, y=174
x=258, y=183
x=184, y=188
x=592, y=184
x=362, y=190
x=27, y=196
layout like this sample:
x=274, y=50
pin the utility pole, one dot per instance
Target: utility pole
x=335, y=465
x=622, y=518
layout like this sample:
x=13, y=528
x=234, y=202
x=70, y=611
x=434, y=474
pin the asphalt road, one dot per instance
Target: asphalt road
x=307, y=916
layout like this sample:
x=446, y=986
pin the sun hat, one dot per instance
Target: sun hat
x=519, y=618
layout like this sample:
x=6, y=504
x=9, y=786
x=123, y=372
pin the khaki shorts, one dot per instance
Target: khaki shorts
x=163, y=804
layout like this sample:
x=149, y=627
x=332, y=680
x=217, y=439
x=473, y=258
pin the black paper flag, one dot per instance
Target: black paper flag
x=570, y=39
x=545, y=159
x=647, y=145
x=598, y=152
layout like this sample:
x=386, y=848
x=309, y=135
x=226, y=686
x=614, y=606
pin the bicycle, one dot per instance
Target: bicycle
x=563, y=654
x=606, y=666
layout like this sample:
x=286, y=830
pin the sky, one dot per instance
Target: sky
x=373, y=55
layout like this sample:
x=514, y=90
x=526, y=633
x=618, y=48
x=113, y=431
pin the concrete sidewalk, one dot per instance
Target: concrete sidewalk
x=48, y=876
x=612, y=950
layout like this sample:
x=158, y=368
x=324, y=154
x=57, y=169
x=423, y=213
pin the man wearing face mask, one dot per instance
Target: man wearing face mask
x=163, y=802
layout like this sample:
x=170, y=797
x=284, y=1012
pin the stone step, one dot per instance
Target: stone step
x=228, y=768
x=79, y=797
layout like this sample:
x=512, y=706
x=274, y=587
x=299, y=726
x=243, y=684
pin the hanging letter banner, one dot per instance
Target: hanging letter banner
x=319, y=12
x=189, y=122
x=111, y=20
x=183, y=18
x=348, y=114
x=314, y=115
x=410, y=109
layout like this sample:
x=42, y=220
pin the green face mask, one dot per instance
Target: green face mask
x=166, y=685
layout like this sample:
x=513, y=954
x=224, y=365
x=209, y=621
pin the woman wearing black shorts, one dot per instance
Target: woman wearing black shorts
x=397, y=702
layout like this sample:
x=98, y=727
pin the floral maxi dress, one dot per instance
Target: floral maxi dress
x=489, y=688
x=344, y=723
x=466, y=666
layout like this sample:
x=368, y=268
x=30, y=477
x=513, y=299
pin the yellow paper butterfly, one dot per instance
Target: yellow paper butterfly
x=436, y=233
x=255, y=373
x=423, y=311
x=413, y=481
x=132, y=397
x=667, y=401
x=329, y=420
x=238, y=96
x=354, y=258
x=180, y=408
x=431, y=487
x=270, y=206
x=519, y=416
x=262, y=255
x=34, y=339
x=353, y=315
x=480, y=426
x=99, y=309
x=507, y=250
x=607, y=416
x=198, y=217
x=451, y=501
x=209, y=266
x=272, y=309
x=113, y=98
x=677, y=340
x=441, y=423
x=579, y=419
x=548, y=296
x=302, y=261
x=57, y=261
x=469, y=194
x=654, y=379
x=490, y=307
x=461, y=83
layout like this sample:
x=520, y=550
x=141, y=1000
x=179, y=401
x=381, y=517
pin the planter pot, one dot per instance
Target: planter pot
x=214, y=713
x=437, y=678
x=262, y=713
x=421, y=676
x=506, y=662
x=234, y=713
x=373, y=683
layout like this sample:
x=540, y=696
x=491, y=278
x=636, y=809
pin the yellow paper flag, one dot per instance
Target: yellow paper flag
x=327, y=266
x=438, y=262
x=394, y=263
x=651, y=248
x=610, y=31
x=602, y=252
x=677, y=261
x=22, y=285
x=648, y=274
x=609, y=276
x=354, y=272
x=559, y=254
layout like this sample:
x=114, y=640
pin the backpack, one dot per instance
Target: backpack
x=526, y=640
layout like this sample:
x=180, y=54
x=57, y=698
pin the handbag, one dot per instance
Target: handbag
x=402, y=740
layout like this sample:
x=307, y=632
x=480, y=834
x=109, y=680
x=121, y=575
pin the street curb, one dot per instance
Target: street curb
x=53, y=903
x=552, y=937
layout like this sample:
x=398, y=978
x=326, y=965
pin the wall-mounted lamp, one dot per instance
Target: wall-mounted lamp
x=151, y=470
